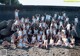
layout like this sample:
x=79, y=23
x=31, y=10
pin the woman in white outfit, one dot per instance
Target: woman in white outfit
x=45, y=44
x=65, y=40
x=20, y=35
x=33, y=39
x=72, y=44
x=51, y=42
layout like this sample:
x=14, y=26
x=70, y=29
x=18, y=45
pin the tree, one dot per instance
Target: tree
x=10, y=2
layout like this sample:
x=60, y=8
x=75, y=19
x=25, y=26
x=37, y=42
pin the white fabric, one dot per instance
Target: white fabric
x=42, y=18
x=68, y=26
x=51, y=41
x=48, y=17
x=38, y=37
x=19, y=33
x=55, y=15
x=64, y=31
x=33, y=39
x=24, y=32
x=16, y=14
x=76, y=20
x=43, y=37
x=22, y=20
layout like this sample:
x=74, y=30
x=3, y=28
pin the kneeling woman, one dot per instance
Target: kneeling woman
x=51, y=42
x=65, y=40
x=20, y=38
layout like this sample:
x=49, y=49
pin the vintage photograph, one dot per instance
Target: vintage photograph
x=39, y=28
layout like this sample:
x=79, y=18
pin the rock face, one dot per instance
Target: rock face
x=5, y=28
x=42, y=52
x=3, y=24
x=5, y=32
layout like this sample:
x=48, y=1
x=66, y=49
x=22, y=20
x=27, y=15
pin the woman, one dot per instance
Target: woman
x=25, y=41
x=51, y=42
x=43, y=36
x=72, y=44
x=59, y=42
x=65, y=40
x=13, y=45
x=45, y=44
x=20, y=35
x=33, y=39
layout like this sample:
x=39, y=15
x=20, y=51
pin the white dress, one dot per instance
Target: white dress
x=51, y=42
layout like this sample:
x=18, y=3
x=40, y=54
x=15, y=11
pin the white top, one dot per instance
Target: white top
x=43, y=37
x=42, y=18
x=41, y=32
x=76, y=20
x=29, y=32
x=54, y=32
x=64, y=31
x=22, y=20
x=67, y=19
x=40, y=24
x=16, y=14
x=35, y=31
x=26, y=20
x=59, y=17
x=19, y=33
x=59, y=42
x=51, y=41
x=24, y=25
x=61, y=23
x=64, y=14
x=27, y=26
x=48, y=17
x=24, y=32
x=16, y=22
x=45, y=42
x=38, y=37
x=55, y=24
x=68, y=26
x=55, y=15
x=44, y=24
x=47, y=31
x=37, y=18
x=33, y=39
x=34, y=20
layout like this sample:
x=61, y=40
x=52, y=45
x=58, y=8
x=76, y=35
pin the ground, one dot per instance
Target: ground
x=34, y=51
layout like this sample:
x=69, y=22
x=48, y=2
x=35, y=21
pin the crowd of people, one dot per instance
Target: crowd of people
x=44, y=30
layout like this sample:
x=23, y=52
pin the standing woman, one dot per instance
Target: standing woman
x=16, y=13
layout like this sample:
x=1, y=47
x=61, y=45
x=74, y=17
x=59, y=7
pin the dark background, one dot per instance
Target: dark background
x=7, y=12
